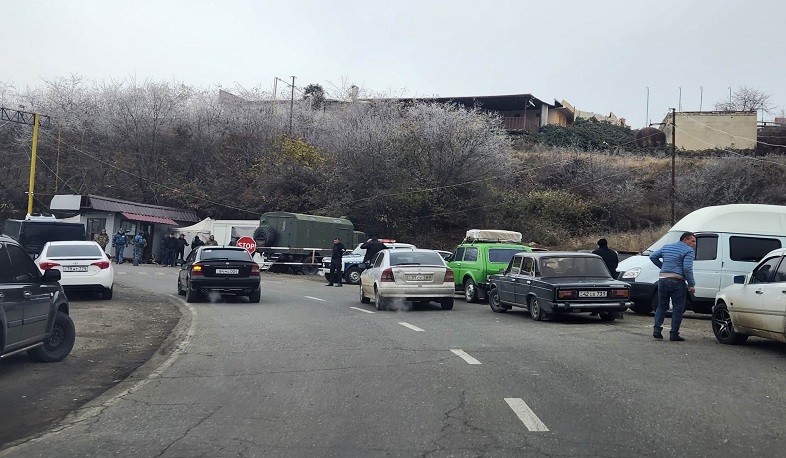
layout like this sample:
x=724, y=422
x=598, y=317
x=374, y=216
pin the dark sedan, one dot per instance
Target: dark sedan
x=552, y=282
x=220, y=270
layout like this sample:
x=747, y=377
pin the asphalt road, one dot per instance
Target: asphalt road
x=311, y=372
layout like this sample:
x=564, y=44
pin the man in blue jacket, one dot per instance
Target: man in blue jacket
x=675, y=261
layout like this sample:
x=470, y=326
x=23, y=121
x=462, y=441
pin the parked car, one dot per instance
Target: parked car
x=407, y=274
x=83, y=266
x=225, y=270
x=483, y=252
x=352, y=262
x=33, y=308
x=34, y=231
x=551, y=282
x=754, y=305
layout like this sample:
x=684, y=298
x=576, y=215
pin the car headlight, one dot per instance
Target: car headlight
x=632, y=273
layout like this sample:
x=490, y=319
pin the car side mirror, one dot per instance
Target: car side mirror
x=51, y=275
x=739, y=279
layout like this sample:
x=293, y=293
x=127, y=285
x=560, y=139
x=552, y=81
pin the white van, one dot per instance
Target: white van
x=730, y=240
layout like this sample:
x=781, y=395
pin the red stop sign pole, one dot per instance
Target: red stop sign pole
x=248, y=243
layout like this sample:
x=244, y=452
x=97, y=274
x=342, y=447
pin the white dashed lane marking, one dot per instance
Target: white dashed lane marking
x=526, y=415
x=407, y=325
x=362, y=310
x=315, y=298
x=463, y=355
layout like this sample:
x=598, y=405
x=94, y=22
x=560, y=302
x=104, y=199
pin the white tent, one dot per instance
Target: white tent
x=203, y=227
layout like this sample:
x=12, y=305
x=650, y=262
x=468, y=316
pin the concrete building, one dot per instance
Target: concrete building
x=701, y=130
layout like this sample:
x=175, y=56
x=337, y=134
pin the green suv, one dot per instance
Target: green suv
x=478, y=257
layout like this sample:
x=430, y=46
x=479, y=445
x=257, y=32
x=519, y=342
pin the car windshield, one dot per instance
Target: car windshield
x=67, y=251
x=422, y=258
x=503, y=255
x=573, y=266
x=216, y=254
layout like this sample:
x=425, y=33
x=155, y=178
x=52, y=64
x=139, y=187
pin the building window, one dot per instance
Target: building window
x=94, y=226
x=128, y=226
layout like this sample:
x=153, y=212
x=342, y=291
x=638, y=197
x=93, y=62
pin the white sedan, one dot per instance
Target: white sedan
x=83, y=266
x=755, y=305
x=407, y=275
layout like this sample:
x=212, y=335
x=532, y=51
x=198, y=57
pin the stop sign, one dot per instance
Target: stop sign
x=248, y=243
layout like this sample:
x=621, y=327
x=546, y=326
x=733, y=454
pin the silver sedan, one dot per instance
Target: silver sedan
x=407, y=275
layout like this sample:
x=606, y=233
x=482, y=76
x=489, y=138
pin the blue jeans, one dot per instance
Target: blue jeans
x=119, y=249
x=676, y=290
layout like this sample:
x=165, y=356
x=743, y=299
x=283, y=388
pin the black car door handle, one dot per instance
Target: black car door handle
x=759, y=292
x=27, y=294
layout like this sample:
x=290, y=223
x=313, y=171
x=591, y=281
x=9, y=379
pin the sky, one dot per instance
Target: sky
x=628, y=57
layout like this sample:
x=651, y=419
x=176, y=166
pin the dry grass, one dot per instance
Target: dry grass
x=623, y=241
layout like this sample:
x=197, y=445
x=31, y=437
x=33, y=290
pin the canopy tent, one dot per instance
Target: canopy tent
x=202, y=227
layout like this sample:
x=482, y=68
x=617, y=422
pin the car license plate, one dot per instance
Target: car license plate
x=592, y=293
x=74, y=268
x=228, y=271
x=419, y=277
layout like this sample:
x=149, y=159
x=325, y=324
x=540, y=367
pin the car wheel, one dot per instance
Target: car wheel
x=534, y=309
x=352, y=276
x=191, y=295
x=106, y=294
x=363, y=298
x=447, y=303
x=255, y=296
x=470, y=290
x=59, y=343
x=180, y=290
x=724, y=328
x=327, y=277
x=494, y=302
x=379, y=302
x=607, y=316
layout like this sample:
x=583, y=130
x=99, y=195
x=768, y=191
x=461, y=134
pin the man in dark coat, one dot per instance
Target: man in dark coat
x=609, y=256
x=170, y=247
x=182, y=243
x=372, y=247
x=335, y=263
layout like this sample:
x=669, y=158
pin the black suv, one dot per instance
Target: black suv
x=219, y=269
x=33, y=308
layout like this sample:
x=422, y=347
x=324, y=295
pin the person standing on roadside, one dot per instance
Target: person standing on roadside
x=675, y=261
x=182, y=243
x=170, y=247
x=102, y=239
x=139, y=246
x=609, y=256
x=119, y=242
x=335, y=263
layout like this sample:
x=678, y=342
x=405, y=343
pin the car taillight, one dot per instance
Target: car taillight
x=255, y=270
x=567, y=294
x=620, y=293
x=387, y=275
x=196, y=269
x=46, y=265
x=449, y=276
x=101, y=264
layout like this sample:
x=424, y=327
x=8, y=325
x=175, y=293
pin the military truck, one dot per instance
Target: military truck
x=296, y=243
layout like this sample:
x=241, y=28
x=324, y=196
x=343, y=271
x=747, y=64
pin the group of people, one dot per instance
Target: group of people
x=172, y=248
x=675, y=280
x=372, y=247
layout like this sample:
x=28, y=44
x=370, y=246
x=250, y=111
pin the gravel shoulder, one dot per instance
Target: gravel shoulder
x=113, y=339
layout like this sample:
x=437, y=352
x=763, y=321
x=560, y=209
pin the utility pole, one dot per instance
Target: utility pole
x=291, y=106
x=36, y=120
x=673, y=159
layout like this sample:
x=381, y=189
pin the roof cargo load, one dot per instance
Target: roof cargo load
x=493, y=235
